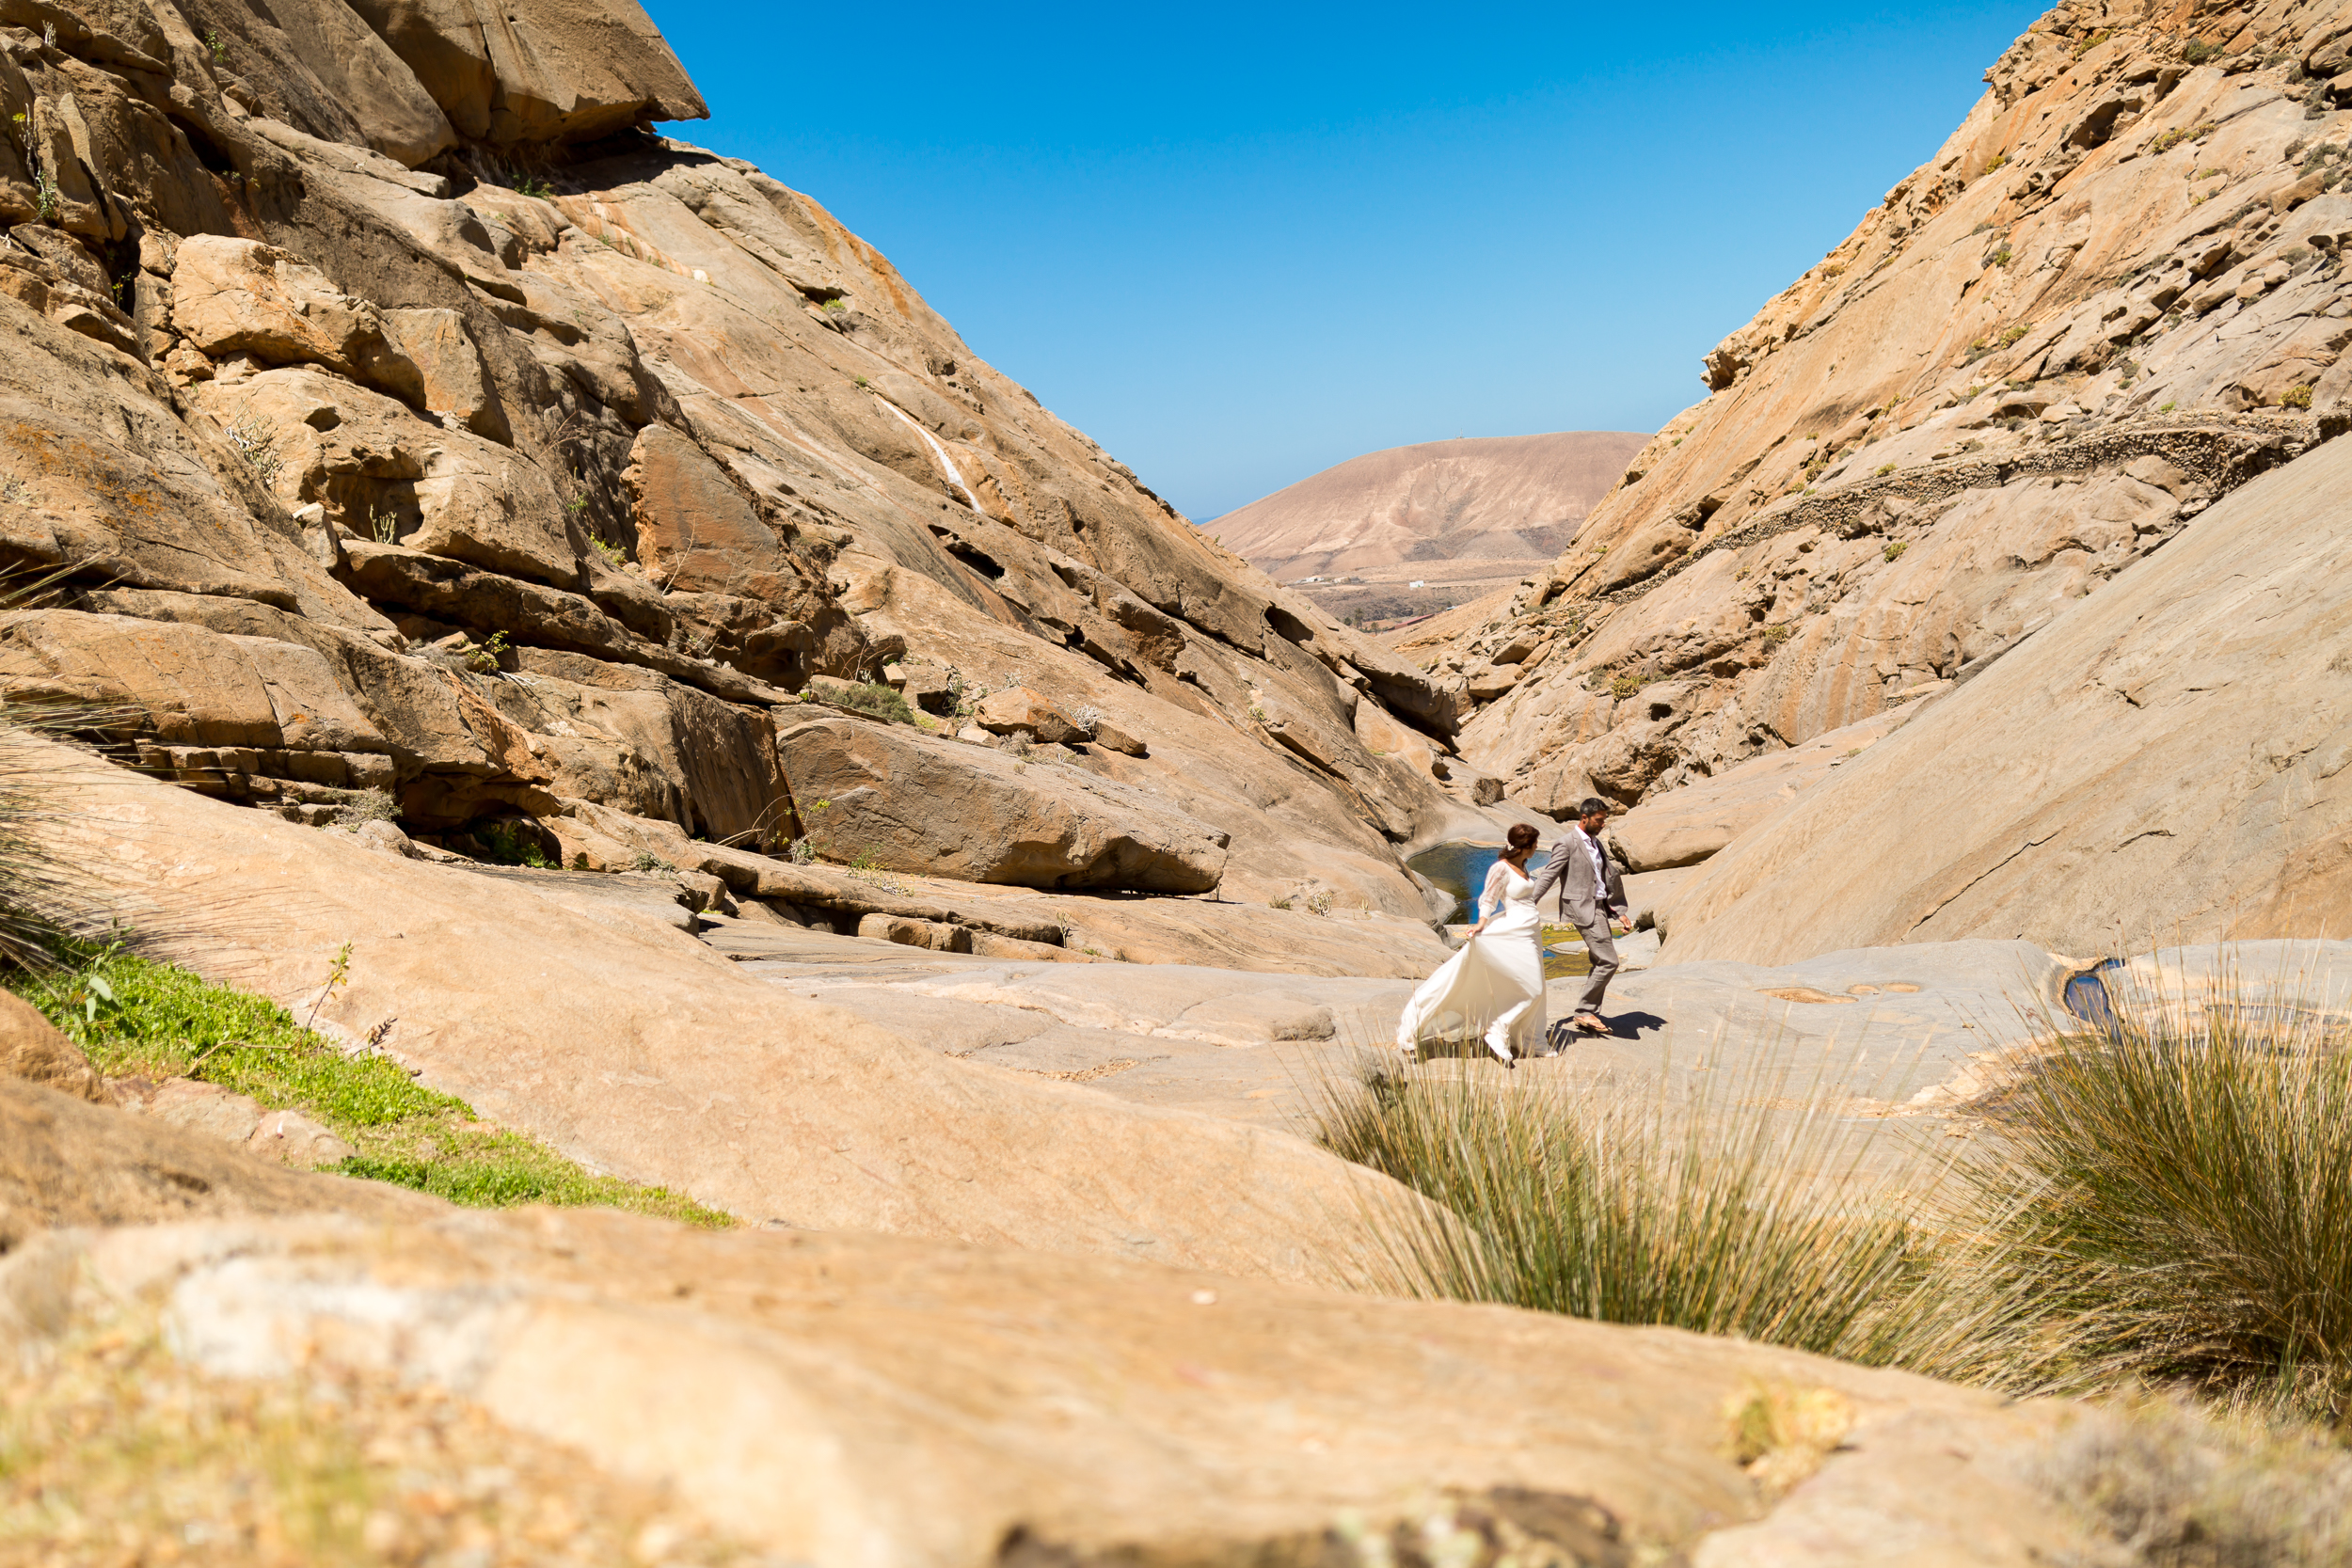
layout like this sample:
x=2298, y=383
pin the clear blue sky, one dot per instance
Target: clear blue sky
x=1239, y=244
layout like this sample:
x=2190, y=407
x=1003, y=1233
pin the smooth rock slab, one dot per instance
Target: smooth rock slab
x=1685, y=826
x=845, y=1398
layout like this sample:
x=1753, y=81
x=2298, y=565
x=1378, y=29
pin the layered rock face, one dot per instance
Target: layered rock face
x=2165, y=764
x=1496, y=497
x=2113, y=296
x=389, y=409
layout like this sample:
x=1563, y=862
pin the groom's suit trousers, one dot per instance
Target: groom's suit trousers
x=1603, y=948
x=1586, y=907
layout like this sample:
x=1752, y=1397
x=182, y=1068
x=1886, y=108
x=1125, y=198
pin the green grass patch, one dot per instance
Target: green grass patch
x=134, y=1016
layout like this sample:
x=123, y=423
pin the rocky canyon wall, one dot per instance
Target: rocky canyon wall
x=390, y=408
x=2114, y=295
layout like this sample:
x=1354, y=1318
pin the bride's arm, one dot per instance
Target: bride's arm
x=1490, y=896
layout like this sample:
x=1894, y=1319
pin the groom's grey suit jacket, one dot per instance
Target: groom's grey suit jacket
x=1571, y=868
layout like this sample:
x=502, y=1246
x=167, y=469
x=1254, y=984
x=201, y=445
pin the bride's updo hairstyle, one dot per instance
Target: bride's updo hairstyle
x=1521, y=837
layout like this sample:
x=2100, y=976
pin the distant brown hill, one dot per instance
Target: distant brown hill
x=1492, y=497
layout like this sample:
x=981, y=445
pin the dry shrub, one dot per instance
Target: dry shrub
x=2174, y=1487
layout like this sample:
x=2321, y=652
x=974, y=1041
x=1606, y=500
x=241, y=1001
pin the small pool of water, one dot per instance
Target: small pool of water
x=1460, y=869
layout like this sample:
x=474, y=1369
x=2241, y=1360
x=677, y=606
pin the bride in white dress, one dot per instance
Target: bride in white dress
x=1495, y=983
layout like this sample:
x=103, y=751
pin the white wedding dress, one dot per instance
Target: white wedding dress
x=1494, y=985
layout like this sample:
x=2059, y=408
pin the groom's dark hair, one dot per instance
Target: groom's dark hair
x=1592, y=805
x=1521, y=836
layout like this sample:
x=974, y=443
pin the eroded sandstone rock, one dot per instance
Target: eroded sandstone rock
x=2163, y=762
x=574, y=411
x=2112, y=296
x=32, y=1050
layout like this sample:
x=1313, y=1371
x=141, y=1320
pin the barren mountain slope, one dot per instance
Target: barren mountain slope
x=1495, y=497
x=2114, y=295
x=398, y=412
x=2165, y=763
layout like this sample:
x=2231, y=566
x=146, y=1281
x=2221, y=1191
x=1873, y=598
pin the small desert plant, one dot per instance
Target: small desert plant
x=1998, y=161
x=1319, y=902
x=2197, y=51
x=2168, y=407
x=531, y=185
x=861, y=383
x=213, y=42
x=367, y=805
x=44, y=182
x=648, y=860
x=2002, y=257
x=613, y=555
x=1019, y=744
x=384, y=525
x=483, y=657
x=1895, y=548
x=1279, y=903
x=1627, y=683
x=1885, y=468
x=875, y=699
x=1775, y=635
x=2013, y=334
x=801, y=851
x=258, y=445
x=2295, y=397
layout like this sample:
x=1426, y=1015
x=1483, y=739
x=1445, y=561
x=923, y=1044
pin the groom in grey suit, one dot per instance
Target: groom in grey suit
x=1592, y=898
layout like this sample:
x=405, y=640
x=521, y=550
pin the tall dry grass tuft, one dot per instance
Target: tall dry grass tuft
x=1693, y=1214
x=41, y=894
x=2163, y=1199
x=2173, y=1192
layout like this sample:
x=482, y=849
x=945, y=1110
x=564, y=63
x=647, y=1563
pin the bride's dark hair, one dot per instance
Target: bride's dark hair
x=1521, y=837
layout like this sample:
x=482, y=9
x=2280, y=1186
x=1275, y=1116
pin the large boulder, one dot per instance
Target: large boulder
x=381, y=471
x=532, y=70
x=914, y=803
x=239, y=296
x=1019, y=709
x=2167, y=759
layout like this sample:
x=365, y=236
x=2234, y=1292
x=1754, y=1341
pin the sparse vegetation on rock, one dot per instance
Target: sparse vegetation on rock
x=140, y=1020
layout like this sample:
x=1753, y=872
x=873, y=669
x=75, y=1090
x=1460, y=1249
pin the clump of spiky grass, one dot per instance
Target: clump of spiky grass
x=2173, y=1192
x=1702, y=1213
